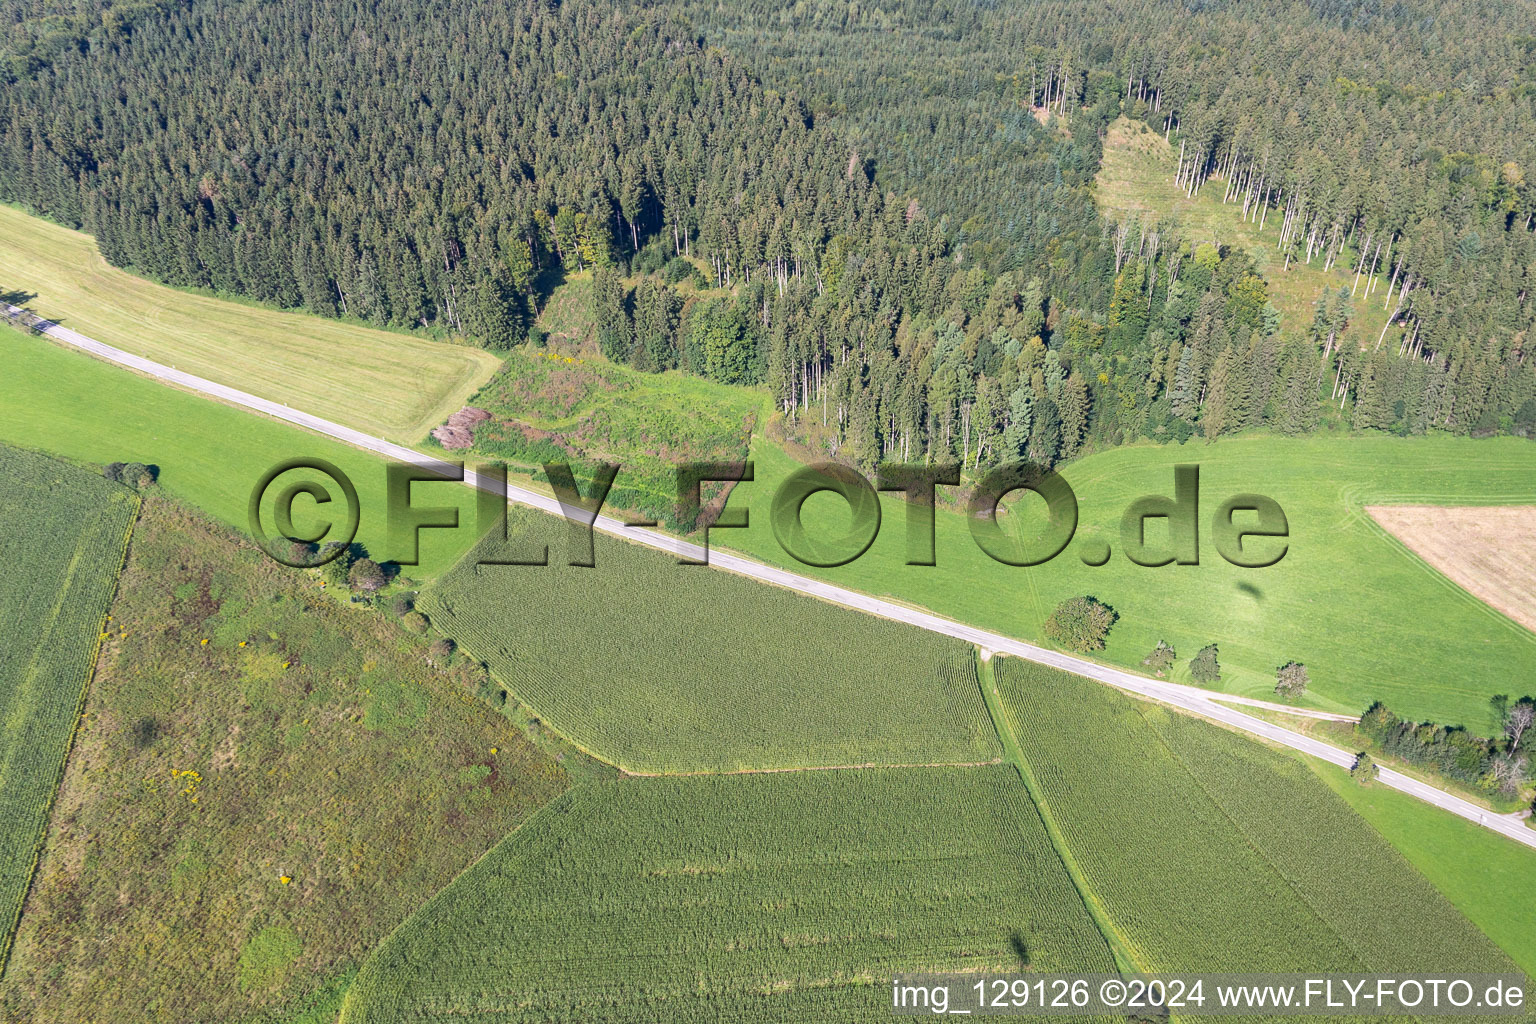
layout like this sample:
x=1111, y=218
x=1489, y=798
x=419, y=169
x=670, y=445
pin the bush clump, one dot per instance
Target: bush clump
x=1080, y=624
x=1205, y=669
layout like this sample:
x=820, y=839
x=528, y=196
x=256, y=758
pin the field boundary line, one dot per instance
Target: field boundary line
x=564, y=799
x=1120, y=945
x=1249, y=841
x=867, y=766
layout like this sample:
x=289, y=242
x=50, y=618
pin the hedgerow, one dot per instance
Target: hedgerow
x=661, y=667
x=779, y=896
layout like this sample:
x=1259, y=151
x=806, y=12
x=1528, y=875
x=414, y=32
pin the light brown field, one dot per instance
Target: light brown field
x=1488, y=551
x=395, y=385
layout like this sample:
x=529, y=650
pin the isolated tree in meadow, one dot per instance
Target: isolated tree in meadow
x=1161, y=659
x=415, y=622
x=1291, y=679
x=1364, y=769
x=1080, y=623
x=440, y=650
x=1204, y=668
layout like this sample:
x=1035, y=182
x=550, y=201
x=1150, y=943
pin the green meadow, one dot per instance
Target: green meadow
x=209, y=454
x=1368, y=619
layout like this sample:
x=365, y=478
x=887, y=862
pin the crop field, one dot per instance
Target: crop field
x=1368, y=618
x=1477, y=870
x=264, y=784
x=1489, y=551
x=1215, y=853
x=546, y=406
x=386, y=383
x=1136, y=180
x=726, y=898
x=661, y=667
x=210, y=455
x=62, y=533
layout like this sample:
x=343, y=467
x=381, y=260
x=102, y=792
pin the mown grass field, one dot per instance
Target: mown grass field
x=1136, y=180
x=210, y=455
x=1214, y=853
x=1368, y=618
x=661, y=667
x=265, y=783
x=788, y=896
x=62, y=535
x=547, y=406
x=382, y=382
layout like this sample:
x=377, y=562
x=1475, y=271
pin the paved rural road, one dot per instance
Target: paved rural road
x=1190, y=698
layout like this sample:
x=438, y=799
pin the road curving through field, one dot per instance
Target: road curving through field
x=1205, y=703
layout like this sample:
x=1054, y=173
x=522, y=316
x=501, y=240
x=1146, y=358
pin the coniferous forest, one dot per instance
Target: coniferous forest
x=886, y=213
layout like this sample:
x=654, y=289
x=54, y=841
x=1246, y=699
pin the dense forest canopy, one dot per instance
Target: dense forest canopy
x=887, y=211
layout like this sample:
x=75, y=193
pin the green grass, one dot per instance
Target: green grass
x=204, y=774
x=791, y=896
x=1214, y=853
x=385, y=383
x=1481, y=872
x=1136, y=179
x=661, y=667
x=1368, y=618
x=210, y=455
x=62, y=533
x=547, y=406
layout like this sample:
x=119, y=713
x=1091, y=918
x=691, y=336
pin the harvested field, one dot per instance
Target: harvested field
x=1488, y=551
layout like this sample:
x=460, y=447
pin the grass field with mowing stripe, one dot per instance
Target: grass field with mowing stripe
x=388, y=384
x=62, y=534
x=210, y=455
x=791, y=896
x=1370, y=620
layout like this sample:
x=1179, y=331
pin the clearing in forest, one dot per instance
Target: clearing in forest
x=792, y=896
x=1135, y=179
x=549, y=406
x=382, y=382
x=1489, y=551
x=62, y=532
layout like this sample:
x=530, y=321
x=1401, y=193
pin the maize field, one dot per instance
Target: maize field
x=62, y=535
